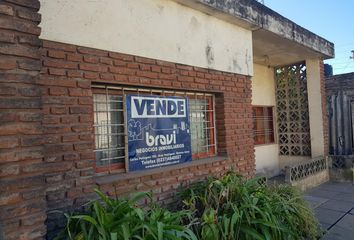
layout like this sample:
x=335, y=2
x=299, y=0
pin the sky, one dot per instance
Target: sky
x=332, y=20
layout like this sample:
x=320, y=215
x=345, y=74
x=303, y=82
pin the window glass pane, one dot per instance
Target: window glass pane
x=202, y=129
x=263, y=125
x=109, y=129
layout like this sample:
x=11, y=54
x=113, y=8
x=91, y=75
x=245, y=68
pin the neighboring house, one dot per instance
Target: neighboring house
x=254, y=81
x=340, y=100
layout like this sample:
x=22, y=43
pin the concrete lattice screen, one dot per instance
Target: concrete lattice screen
x=292, y=110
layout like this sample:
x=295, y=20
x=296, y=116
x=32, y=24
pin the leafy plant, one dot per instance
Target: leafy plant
x=229, y=208
x=112, y=219
x=235, y=208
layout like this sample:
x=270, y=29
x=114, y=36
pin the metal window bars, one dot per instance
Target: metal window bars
x=111, y=132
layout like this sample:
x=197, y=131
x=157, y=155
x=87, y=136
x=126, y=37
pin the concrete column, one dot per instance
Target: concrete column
x=315, y=107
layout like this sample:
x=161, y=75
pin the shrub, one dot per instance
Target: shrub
x=235, y=208
x=229, y=208
x=112, y=219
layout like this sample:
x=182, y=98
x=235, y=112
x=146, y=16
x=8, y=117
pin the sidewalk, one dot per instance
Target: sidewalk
x=333, y=204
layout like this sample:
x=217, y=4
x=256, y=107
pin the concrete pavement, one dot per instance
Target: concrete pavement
x=333, y=204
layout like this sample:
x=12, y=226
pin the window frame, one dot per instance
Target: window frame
x=273, y=125
x=211, y=116
x=123, y=91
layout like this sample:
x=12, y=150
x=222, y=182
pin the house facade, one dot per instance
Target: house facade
x=235, y=84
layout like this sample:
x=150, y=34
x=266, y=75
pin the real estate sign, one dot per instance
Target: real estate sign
x=158, y=131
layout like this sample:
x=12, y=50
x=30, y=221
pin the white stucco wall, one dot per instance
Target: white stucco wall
x=159, y=29
x=263, y=88
x=315, y=107
x=263, y=94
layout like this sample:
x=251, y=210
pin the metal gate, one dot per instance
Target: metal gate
x=340, y=106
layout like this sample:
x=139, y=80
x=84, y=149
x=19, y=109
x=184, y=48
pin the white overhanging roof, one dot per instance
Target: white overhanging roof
x=276, y=39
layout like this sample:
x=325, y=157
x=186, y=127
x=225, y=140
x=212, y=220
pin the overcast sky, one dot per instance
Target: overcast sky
x=333, y=20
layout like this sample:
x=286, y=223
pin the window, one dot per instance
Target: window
x=201, y=116
x=263, y=127
x=110, y=133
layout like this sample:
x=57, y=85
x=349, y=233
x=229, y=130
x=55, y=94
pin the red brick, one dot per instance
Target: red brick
x=74, y=73
x=86, y=118
x=147, y=74
x=156, y=69
x=92, y=51
x=91, y=75
x=19, y=50
x=9, y=169
x=21, y=26
x=91, y=59
x=57, y=72
x=69, y=119
x=59, y=46
x=82, y=146
x=7, y=116
x=57, y=129
x=9, y=198
x=29, y=91
x=76, y=92
x=30, y=116
x=74, y=57
x=133, y=65
x=106, y=60
x=60, y=64
x=85, y=101
x=56, y=54
x=7, y=90
x=7, y=37
x=80, y=110
x=121, y=56
x=6, y=9
x=58, y=110
x=82, y=128
x=106, y=76
x=71, y=157
x=51, y=119
x=119, y=63
x=26, y=3
x=8, y=142
x=84, y=84
x=7, y=64
x=86, y=137
x=32, y=65
x=92, y=67
x=30, y=40
x=70, y=138
x=58, y=91
x=29, y=15
x=145, y=60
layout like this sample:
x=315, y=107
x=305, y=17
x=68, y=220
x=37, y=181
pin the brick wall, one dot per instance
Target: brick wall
x=324, y=110
x=22, y=202
x=66, y=77
x=340, y=82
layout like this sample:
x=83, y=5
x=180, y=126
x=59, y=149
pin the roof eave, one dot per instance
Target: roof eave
x=252, y=15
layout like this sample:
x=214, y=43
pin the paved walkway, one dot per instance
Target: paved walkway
x=333, y=204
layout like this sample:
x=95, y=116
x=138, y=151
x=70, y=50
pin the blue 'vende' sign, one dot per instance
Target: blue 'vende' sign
x=158, y=131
